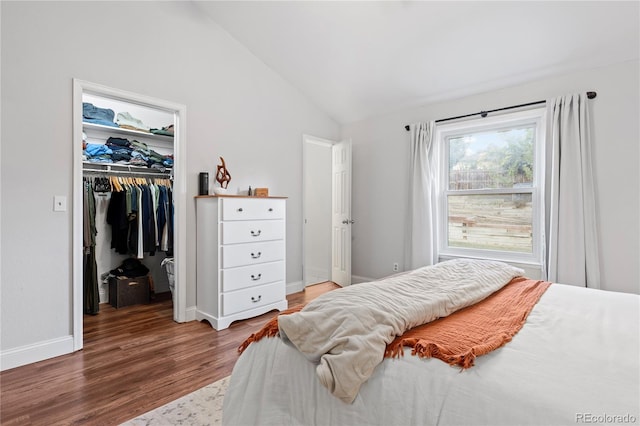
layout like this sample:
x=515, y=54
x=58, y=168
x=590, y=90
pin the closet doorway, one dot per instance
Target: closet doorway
x=326, y=211
x=84, y=91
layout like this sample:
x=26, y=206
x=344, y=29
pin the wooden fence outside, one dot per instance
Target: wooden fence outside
x=481, y=179
x=504, y=223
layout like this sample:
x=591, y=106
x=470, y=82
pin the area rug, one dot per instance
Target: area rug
x=199, y=408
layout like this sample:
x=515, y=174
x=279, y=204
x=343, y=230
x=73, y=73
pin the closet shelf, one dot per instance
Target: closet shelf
x=128, y=132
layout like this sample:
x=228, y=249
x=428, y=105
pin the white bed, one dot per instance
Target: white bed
x=575, y=361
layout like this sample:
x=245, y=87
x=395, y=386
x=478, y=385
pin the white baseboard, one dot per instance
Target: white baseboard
x=35, y=352
x=40, y=351
x=316, y=275
x=356, y=279
x=190, y=314
x=295, y=287
x=103, y=291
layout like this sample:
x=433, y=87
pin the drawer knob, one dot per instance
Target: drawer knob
x=256, y=256
x=256, y=278
x=240, y=209
x=270, y=209
x=256, y=299
x=256, y=234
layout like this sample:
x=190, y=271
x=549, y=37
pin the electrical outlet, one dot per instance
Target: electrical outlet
x=59, y=203
x=395, y=267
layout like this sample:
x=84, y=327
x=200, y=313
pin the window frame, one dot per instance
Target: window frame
x=535, y=117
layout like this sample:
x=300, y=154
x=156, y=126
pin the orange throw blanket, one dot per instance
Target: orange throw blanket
x=462, y=336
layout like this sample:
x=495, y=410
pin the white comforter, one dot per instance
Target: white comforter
x=346, y=331
x=575, y=361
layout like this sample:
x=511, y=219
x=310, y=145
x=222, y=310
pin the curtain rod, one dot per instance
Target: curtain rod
x=590, y=95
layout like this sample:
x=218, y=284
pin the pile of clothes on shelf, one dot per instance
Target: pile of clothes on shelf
x=120, y=150
x=128, y=152
x=124, y=120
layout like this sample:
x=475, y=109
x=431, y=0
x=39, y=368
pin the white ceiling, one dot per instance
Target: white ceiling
x=360, y=59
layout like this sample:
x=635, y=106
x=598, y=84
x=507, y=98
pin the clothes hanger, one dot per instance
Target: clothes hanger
x=116, y=183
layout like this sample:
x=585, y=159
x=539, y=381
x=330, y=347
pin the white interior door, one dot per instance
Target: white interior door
x=341, y=219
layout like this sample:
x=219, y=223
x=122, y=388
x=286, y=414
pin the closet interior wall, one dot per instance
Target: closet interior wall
x=106, y=257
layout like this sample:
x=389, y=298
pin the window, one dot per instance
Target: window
x=489, y=200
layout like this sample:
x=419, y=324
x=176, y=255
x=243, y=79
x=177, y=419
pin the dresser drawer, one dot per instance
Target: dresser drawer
x=250, y=276
x=253, y=297
x=252, y=231
x=252, y=253
x=252, y=208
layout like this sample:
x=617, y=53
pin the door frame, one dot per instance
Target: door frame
x=308, y=139
x=179, y=196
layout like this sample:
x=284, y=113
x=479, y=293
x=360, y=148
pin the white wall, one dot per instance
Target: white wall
x=236, y=108
x=380, y=163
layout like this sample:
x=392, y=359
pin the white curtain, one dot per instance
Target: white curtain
x=570, y=223
x=420, y=244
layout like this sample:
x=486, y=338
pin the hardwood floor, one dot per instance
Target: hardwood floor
x=134, y=360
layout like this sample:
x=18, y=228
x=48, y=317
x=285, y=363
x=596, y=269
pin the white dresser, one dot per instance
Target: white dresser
x=241, y=262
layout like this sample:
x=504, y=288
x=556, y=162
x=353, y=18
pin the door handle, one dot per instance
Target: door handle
x=347, y=221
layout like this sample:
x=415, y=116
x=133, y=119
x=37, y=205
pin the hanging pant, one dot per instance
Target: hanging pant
x=91, y=295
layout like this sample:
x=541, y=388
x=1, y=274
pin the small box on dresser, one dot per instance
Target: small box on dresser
x=240, y=259
x=124, y=291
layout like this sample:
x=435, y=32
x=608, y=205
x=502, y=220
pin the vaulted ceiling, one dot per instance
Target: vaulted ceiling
x=360, y=59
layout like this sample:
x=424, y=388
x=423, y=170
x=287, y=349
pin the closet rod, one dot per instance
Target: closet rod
x=483, y=114
x=127, y=172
